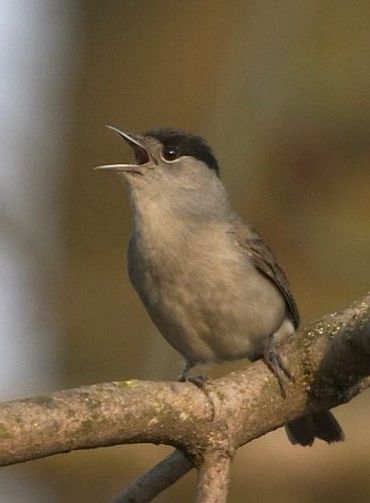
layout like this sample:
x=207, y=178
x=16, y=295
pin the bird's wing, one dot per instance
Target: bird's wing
x=262, y=258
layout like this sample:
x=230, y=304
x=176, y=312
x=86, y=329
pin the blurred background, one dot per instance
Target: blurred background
x=281, y=90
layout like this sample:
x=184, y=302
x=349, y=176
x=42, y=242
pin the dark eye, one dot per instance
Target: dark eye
x=170, y=153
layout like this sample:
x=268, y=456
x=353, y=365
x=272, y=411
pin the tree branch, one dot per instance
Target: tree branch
x=213, y=478
x=100, y=415
x=161, y=476
x=330, y=360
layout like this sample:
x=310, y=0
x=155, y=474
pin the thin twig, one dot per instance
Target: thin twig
x=161, y=476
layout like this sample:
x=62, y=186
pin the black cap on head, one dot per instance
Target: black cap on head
x=187, y=144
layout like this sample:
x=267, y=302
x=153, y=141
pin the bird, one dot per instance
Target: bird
x=207, y=279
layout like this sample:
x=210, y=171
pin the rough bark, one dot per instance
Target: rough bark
x=330, y=362
x=213, y=477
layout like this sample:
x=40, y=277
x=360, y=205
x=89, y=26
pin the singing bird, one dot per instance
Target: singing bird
x=207, y=279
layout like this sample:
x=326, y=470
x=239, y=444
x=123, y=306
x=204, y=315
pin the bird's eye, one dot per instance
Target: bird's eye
x=170, y=153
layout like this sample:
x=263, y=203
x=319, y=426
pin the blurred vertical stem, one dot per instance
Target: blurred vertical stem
x=214, y=478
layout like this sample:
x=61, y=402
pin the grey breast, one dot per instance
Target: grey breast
x=203, y=291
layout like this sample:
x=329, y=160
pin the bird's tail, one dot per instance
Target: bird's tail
x=323, y=425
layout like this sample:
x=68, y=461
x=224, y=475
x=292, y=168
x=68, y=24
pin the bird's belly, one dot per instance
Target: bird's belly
x=223, y=312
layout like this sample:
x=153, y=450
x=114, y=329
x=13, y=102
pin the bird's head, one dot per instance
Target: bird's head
x=173, y=166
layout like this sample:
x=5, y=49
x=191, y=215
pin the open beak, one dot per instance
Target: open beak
x=141, y=154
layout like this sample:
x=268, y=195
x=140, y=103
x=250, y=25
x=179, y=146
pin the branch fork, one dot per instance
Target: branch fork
x=330, y=362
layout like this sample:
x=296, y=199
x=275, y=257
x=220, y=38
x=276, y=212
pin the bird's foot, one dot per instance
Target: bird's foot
x=274, y=362
x=197, y=380
x=184, y=374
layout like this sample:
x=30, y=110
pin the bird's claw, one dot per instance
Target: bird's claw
x=199, y=381
x=274, y=362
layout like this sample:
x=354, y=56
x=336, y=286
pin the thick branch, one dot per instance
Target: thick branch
x=330, y=361
x=99, y=415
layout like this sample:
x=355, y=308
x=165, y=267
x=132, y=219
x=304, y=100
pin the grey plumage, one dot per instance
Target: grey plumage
x=206, y=278
x=263, y=259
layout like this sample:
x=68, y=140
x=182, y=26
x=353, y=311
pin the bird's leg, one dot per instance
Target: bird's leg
x=273, y=360
x=184, y=375
x=198, y=381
